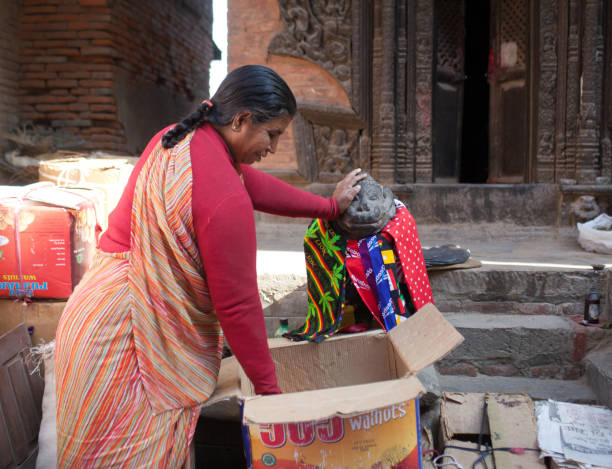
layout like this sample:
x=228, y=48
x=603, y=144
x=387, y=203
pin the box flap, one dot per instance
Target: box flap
x=423, y=338
x=324, y=403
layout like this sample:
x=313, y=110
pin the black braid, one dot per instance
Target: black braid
x=194, y=120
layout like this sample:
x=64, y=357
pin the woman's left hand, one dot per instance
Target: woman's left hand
x=346, y=190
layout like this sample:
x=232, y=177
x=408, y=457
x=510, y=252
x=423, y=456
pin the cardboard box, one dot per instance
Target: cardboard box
x=109, y=175
x=505, y=420
x=48, y=236
x=42, y=315
x=348, y=402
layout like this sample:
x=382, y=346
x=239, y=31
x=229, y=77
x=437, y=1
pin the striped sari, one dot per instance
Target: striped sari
x=139, y=344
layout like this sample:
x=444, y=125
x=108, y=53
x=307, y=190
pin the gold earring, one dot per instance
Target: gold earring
x=235, y=128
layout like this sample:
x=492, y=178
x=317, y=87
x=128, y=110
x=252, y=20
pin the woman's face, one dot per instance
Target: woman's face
x=250, y=142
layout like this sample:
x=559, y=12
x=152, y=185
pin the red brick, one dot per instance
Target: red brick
x=63, y=83
x=97, y=99
x=59, y=92
x=103, y=108
x=102, y=75
x=48, y=59
x=459, y=369
x=103, y=42
x=31, y=35
x=64, y=67
x=33, y=116
x=39, y=75
x=33, y=84
x=32, y=68
x=51, y=108
x=105, y=51
x=79, y=75
x=78, y=107
x=88, y=34
x=39, y=9
x=101, y=116
x=44, y=26
x=62, y=115
x=64, y=51
x=544, y=371
x=47, y=43
x=95, y=3
x=96, y=83
x=79, y=91
x=60, y=34
x=78, y=26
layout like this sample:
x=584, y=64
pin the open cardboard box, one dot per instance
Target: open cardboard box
x=349, y=401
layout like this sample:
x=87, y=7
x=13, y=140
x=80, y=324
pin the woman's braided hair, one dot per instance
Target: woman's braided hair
x=254, y=88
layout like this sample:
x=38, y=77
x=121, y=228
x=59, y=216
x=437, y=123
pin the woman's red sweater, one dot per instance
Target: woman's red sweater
x=224, y=224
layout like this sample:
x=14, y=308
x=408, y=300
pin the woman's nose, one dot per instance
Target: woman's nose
x=273, y=144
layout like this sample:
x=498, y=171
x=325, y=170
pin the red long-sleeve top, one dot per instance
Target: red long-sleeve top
x=222, y=208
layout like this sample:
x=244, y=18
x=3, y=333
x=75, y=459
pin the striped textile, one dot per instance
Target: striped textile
x=139, y=345
x=324, y=251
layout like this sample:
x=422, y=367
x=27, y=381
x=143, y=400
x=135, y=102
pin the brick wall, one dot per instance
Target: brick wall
x=74, y=53
x=9, y=64
x=251, y=26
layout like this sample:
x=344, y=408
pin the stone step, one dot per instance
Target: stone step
x=577, y=391
x=500, y=289
x=534, y=346
x=599, y=372
x=524, y=270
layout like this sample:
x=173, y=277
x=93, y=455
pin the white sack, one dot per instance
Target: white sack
x=596, y=235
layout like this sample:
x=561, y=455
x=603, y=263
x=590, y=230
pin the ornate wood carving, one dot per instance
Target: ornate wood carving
x=318, y=31
x=383, y=92
x=572, y=109
x=406, y=162
x=590, y=109
x=424, y=70
x=545, y=157
x=328, y=140
x=561, y=169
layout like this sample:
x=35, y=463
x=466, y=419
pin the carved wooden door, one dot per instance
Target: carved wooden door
x=448, y=89
x=508, y=79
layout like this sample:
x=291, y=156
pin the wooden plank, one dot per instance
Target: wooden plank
x=6, y=453
x=20, y=401
x=513, y=424
x=28, y=409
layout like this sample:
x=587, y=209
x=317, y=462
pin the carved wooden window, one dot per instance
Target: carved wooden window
x=514, y=28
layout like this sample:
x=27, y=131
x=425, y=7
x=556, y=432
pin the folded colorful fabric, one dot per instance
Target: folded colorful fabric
x=386, y=269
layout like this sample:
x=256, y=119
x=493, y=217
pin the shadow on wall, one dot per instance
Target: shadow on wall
x=144, y=109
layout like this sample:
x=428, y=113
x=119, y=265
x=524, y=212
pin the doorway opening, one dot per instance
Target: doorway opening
x=474, y=166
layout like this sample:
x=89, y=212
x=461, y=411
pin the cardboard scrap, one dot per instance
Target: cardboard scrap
x=512, y=423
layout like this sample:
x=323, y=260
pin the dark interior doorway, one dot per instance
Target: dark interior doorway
x=475, y=129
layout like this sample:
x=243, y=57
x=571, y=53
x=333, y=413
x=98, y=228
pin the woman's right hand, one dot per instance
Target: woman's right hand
x=346, y=189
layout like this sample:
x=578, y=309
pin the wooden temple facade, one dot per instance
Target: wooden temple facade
x=444, y=91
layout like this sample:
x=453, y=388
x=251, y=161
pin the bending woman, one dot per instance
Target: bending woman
x=139, y=343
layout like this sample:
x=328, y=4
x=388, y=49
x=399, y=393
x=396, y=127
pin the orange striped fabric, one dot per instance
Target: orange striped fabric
x=139, y=346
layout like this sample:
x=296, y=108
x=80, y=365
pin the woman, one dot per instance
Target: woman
x=139, y=343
